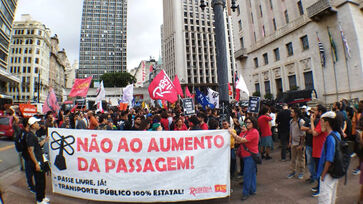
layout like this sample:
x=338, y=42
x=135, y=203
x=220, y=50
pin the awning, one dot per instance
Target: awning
x=8, y=77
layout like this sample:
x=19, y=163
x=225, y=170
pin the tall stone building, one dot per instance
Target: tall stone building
x=29, y=60
x=103, y=38
x=58, y=65
x=7, y=80
x=189, y=49
x=277, y=47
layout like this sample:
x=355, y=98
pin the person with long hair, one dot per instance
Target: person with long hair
x=249, y=144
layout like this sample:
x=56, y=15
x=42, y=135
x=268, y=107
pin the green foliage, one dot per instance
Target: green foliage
x=256, y=93
x=118, y=79
x=268, y=96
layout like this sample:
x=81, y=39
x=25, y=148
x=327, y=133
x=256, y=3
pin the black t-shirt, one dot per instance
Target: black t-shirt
x=283, y=121
x=32, y=141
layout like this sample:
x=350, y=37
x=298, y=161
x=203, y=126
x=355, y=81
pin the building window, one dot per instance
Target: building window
x=292, y=82
x=305, y=42
x=277, y=54
x=256, y=62
x=242, y=42
x=271, y=5
x=274, y=23
x=257, y=87
x=240, y=25
x=286, y=16
x=238, y=10
x=267, y=87
x=301, y=9
x=309, y=81
x=265, y=58
x=252, y=18
x=261, y=11
x=290, y=50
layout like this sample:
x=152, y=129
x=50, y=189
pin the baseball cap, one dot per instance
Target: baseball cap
x=33, y=120
x=329, y=114
x=304, y=107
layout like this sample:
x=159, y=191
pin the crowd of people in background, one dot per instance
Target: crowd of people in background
x=299, y=131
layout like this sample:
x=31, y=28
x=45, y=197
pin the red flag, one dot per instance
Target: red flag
x=151, y=69
x=80, y=87
x=229, y=90
x=51, y=103
x=187, y=93
x=177, y=86
x=161, y=88
x=238, y=93
x=74, y=108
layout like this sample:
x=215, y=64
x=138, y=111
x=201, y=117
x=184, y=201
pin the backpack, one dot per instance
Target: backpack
x=339, y=167
x=20, y=142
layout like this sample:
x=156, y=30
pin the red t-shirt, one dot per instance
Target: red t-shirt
x=184, y=127
x=165, y=123
x=252, y=136
x=318, y=141
x=204, y=126
x=264, y=126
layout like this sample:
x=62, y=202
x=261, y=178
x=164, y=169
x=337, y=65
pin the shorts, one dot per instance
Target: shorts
x=266, y=141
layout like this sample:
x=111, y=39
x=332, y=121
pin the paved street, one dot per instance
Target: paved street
x=272, y=185
x=8, y=155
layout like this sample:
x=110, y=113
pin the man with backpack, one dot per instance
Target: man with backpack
x=22, y=149
x=332, y=164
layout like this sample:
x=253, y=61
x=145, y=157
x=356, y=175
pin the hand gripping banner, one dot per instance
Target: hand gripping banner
x=140, y=166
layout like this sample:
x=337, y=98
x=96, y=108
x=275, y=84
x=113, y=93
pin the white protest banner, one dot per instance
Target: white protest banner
x=140, y=166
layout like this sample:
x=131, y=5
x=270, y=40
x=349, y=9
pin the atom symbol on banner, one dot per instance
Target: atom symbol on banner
x=63, y=144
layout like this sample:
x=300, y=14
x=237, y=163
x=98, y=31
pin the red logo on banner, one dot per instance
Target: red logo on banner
x=199, y=190
x=161, y=88
x=220, y=188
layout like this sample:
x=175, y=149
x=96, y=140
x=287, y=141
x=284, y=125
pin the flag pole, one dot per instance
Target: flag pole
x=346, y=61
x=322, y=69
x=334, y=63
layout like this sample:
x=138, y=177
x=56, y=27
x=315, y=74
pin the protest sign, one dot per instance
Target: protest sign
x=254, y=104
x=188, y=106
x=140, y=166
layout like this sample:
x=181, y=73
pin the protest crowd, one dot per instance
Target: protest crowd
x=309, y=138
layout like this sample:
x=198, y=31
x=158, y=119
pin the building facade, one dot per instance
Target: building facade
x=144, y=72
x=7, y=80
x=189, y=43
x=29, y=60
x=277, y=47
x=103, y=42
x=70, y=74
x=58, y=65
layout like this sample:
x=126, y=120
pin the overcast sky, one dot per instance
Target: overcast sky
x=63, y=17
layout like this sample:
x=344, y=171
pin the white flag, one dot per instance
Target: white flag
x=128, y=93
x=101, y=93
x=213, y=97
x=241, y=85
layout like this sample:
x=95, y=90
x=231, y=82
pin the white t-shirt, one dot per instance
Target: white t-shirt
x=273, y=121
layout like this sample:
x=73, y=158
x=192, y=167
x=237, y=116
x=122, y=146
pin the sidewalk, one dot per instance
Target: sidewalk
x=272, y=187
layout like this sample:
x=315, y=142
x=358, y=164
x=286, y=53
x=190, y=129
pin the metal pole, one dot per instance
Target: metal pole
x=221, y=50
x=38, y=84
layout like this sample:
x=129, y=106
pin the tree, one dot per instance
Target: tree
x=118, y=79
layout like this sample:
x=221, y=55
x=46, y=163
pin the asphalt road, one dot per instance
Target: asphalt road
x=8, y=155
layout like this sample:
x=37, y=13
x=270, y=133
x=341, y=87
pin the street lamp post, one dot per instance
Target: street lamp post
x=221, y=50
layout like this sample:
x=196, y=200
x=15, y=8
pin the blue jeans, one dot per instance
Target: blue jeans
x=249, y=176
x=310, y=162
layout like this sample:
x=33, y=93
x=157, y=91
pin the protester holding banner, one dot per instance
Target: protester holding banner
x=93, y=124
x=249, y=144
x=233, y=166
x=202, y=119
